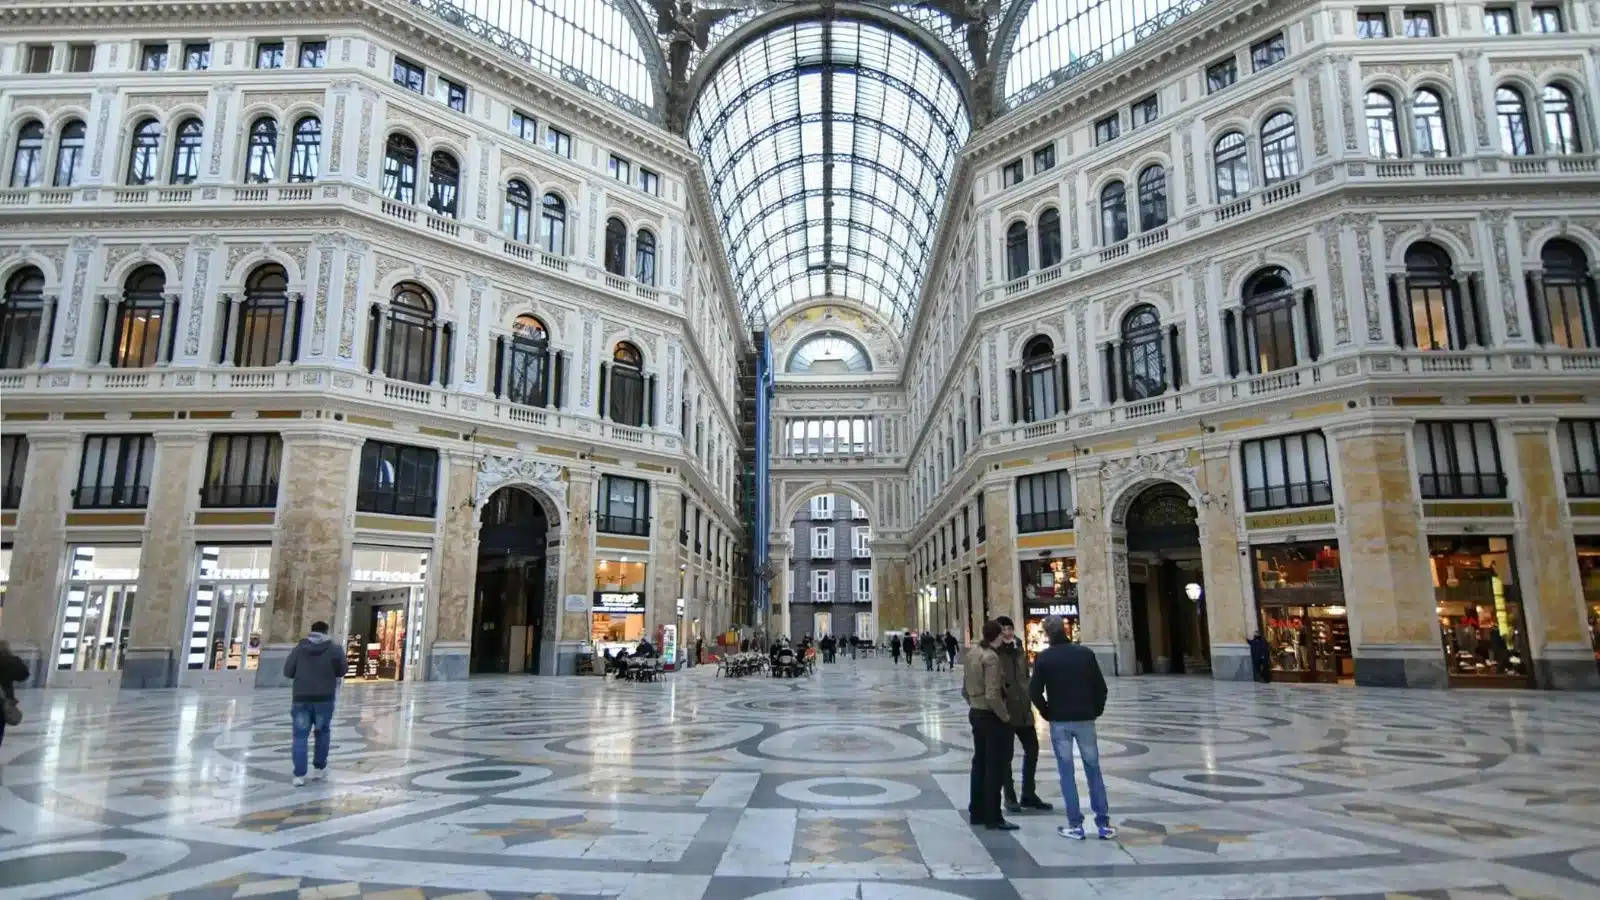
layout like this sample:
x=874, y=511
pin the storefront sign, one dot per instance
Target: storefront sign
x=1054, y=609
x=1470, y=510
x=617, y=603
x=1301, y=519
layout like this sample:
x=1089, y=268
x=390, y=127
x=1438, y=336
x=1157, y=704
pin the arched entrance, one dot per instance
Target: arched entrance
x=508, y=622
x=1166, y=582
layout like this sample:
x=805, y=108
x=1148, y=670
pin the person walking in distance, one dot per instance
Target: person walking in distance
x=929, y=646
x=1014, y=667
x=951, y=647
x=894, y=648
x=1070, y=693
x=315, y=667
x=983, y=686
x=1260, y=658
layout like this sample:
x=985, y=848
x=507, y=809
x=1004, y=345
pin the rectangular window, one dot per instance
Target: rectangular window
x=822, y=543
x=857, y=511
x=13, y=464
x=1286, y=472
x=196, y=57
x=397, y=479
x=1044, y=501
x=822, y=586
x=1107, y=129
x=1372, y=23
x=620, y=169
x=863, y=580
x=115, y=472
x=1268, y=52
x=1145, y=111
x=625, y=506
x=313, y=54
x=242, y=471
x=524, y=126
x=649, y=182
x=1580, y=456
x=1011, y=174
x=455, y=95
x=409, y=75
x=37, y=59
x=153, y=58
x=822, y=507
x=1221, y=73
x=1459, y=459
x=269, y=55
x=82, y=58
x=558, y=142
x=1044, y=158
x=861, y=542
x=1500, y=20
x=1419, y=23
x=1547, y=20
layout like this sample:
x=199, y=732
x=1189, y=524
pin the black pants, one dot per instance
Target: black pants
x=991, y=759
x=896, y=652
x=1029, y=739
x=928, y=658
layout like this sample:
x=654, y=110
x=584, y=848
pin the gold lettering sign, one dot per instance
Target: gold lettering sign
x=1493, y=510
x=1585, y=507
x=1298, y=519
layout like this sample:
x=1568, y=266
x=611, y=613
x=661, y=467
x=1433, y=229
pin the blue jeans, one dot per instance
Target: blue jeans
x=1062, y=734
x=310, y=716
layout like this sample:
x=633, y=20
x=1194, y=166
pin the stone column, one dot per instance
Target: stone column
x=1230, y=608
x=1005, y=599
x=1394, y=626
x=312, y=555
x=449, y=649
x=1105, y=611
x=578, y=559
x=896, y=605
x=160, y=611
x=39, y=542
x=778, y=618
x=664, y=573
x=1547, y=561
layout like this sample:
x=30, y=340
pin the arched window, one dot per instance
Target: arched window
x=1571, y=310
x=1040, y=398
x=1016, y=250
x=305, y=154
x=263, y=317
x=69, y=154
x=828, y=353
x=22, y=319
x=144, y=155
x=27, y=163
x=553, y=225
x=644, y=257
x=517, y=222
x=1049, y=238
x=136, y=337
x=1113, y=213
x=1435, y=315
x=616, y=246
x=412, y=329
x=1144, y=368
x=1268, y=322
x=400, y=169
x=1383, y=127
x=1512, y=111
x=1152, y=198
x=1430, y=133
x=186, y=152
x=528, y=363
x=444, y=183
x=1231, y=158
x=261, y=160
x=1560, y=121
x=1280, y=149
x=627, y=385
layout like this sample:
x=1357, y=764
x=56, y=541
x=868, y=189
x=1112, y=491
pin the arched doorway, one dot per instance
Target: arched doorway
x=508, y=612
x=1166, y=582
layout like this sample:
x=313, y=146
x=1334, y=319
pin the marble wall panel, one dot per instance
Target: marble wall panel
x=34, y=594
x=156, y=641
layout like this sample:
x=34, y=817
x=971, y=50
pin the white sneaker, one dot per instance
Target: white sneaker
x=299, y=781
x=319, y=774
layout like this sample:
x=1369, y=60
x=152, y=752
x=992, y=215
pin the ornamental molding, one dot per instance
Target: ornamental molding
x=1118, y=475
x=496, y=472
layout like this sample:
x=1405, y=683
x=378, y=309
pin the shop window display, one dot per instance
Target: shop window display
x=1300, y=594
x=1589, y=574
x=231, y=592
x=1049, y=588
x=1480, y=610
x=98, y=613
x=616, y=621
x=387, y=596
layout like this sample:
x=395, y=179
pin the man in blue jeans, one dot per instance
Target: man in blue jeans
x=315, y=666
x=1070, y=693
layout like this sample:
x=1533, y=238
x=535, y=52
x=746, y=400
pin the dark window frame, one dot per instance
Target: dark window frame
x=412, y=486
x=22, y=318
x=455, y=94
x=13, y=469
x=197, y=56
x=1366, y=19
x=1437, y=443
x=524, y=126
x=1011, y=173
x=609, y=515
x=125, y=449
x=1043, y=501
x=1268, y=52
x=1107, y=129
x=242, y=471
x=1575, y=435
x=1145, y=111
x=558, y=142
x=32, y=63
x=1222, y=74
x=314, y=51
x=270, y=55
x=1294, y=492
x=1414, y=17
x=1044, y=158
x=409, y=75
x=80, y=58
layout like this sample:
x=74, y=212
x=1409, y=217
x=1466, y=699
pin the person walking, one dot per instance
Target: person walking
x=983, y=686
x=951, y=647
x=929, y=648
x=911, y=647
x=13, y=671
x=1014, y=666
x=315, y=667
x=1070, y=693
x=699, y=650
x=1260, y=658
x=894, y=648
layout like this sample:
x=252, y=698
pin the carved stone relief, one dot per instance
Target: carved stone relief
x=1496, y=221
x=1469, y=61
x=1341, y=63
x=1362, y=223
x=82, y=250
x=364, y=132
x=203, y=246
x=477, y=285
x=1319, y=124
x=319, y=301
x=1328, y=232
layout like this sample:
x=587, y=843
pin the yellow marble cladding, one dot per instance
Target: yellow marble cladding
x=576, y=556
x=307, y=569
x=1385, y=564
x=37, y=548
x=1046, y=539
x=896, y=606
x=1555, y=563
x=458, y=551
x=1230, y=614
x=1096, y=588
x=666, y=581
x=1004, y=598
x=164, y=562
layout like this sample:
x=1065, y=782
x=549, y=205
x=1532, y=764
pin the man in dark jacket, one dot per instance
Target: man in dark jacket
x=1070, y=693
x=951, y=646
x=894, y=647
x=1260, y=657
x=1014, y=666
x=13, y=671
x=929, y=647
x=983, y=686
x=315, y=666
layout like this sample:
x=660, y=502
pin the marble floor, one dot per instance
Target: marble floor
x=849, y=784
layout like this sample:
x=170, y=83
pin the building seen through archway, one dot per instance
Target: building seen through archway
x=508, y=614
x=830, y=577
x=1166, y=583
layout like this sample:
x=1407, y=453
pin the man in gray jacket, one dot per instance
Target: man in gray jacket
x=315, y=666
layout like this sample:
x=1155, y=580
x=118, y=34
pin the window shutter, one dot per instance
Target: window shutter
x=374, y=327
x=545, y=375
x=1537, y=310
x=444, y=357
x=1066, y=388
x=1480, y=318
x=1109, y=351
x=600, y=401
x=1175, y=339
x=1394, y=313
x=1230, y=345
x=1308, y=305
x=172, y=327
x=222, y=335
x=559, y=380
x=48, y=337
x=1011, y=380
x=499, y=364
x=650, y=402
x=299, y=317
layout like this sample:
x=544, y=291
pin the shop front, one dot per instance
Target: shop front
x=1049, y=588
x=1300, y=599
x=388, y=601
x=1589, y=575
x=616, y=618
x=1481, y=622
x=225, y=617
x=96, y=614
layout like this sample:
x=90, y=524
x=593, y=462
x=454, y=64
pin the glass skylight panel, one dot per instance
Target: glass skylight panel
x=1059, y=38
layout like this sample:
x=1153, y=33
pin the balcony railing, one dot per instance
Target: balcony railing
x=123, y=496
x=629, y=525
x=1288, y=496
x=239, y=496
x=1463, y=486
x=1050, y=520
x=393, y=501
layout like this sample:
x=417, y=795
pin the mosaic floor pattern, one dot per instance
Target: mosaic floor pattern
x=849, y=784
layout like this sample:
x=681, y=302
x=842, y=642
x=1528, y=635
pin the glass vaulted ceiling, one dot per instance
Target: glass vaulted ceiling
x=828, y=146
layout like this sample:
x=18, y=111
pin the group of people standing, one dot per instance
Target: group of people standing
x=929, y=645
x=1068, y=689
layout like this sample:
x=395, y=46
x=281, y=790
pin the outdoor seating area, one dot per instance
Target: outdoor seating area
x=637, y=668
x=738, y=665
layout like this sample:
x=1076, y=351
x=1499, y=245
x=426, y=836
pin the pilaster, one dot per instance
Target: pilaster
x=1228, y=607
x=155, y=642
x=1001, y=539
x=449, y=653
x=1103, y=598
x=578, y=559
x=39, y=539
x=665, y=577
